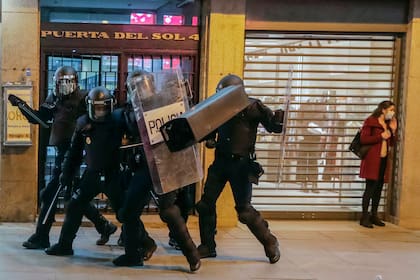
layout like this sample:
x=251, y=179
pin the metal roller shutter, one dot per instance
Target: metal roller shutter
x=336, y=82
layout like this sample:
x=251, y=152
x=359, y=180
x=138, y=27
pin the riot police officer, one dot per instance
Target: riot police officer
x=168, y=209
x=137, y=187
x=235, y=162
x=63, y=107
x=98, y=133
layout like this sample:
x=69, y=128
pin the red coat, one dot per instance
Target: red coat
x=371, y=135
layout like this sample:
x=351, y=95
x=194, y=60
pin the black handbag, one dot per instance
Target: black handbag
x=357, y=148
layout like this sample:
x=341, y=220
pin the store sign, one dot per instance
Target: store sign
x=17, y=129
x=110, y=36
x=117, y=35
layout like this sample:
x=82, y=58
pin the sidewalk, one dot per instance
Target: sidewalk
x=311, y=250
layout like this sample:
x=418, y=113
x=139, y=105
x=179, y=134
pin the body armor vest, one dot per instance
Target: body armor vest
x=65, y=113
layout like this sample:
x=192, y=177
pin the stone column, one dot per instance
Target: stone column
x=19, y=31
x=409, y=206
x=222, y=54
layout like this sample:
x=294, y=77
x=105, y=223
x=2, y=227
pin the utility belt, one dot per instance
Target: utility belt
x=250, y=156
x=255, y=169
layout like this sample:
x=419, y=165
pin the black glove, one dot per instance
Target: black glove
x=278, y=117
x=211, y=143
x=15, y=100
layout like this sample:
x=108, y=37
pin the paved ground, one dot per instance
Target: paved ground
x=310, y=250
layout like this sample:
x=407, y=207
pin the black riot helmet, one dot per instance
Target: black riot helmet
x=65, y=80
x=140, y=82
x=229, y=80
x=100, y=103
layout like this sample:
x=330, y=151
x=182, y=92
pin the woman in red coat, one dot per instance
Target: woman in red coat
x=378, y=130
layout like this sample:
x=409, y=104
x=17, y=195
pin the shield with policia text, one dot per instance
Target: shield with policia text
x=159, y=97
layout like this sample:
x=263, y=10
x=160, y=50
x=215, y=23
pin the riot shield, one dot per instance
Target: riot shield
x=159, y=97
x=204, y=118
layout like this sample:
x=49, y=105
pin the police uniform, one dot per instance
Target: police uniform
x=138, y=195
x=63, y=111
x=235, y=163
x=100, y=140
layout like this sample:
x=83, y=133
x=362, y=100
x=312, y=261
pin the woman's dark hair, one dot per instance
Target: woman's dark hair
x=381, y=106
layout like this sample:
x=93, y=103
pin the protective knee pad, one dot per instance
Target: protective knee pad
x=247, y=214
x=203, y=208
x=170, y=214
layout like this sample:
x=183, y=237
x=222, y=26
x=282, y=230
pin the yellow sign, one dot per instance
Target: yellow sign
x=17, y=128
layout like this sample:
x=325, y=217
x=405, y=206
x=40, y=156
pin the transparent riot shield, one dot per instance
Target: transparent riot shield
x=159, y=97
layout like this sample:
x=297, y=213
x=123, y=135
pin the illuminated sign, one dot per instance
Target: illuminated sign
x=118, y=36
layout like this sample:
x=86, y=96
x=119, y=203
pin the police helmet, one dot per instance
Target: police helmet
x=141, y=82
x=100, y=103
x=65, y=80
x=229, y=80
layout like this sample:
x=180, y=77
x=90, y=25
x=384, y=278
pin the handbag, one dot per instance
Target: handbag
x=357, y=148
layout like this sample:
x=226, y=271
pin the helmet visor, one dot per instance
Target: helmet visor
x=142, y=85
x=65, y=86
x=100, y=109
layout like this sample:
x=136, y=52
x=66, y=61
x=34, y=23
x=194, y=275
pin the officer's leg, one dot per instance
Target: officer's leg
x=104, y=227
x=206, y=209
x=128, y=213
x=247, y=214
x=89, y=188
x=40, y=239
x=185, y=202
x=171, y=215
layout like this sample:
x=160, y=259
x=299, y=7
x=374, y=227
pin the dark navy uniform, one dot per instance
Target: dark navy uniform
x=168, y=210
x=137, y=197
x=235, y=163
x=63, y=111
x=100, y=140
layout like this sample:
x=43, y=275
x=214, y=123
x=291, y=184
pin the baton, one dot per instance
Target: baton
x=51, y=204
x=131, y=146
x=30, y=113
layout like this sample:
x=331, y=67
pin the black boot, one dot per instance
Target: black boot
x=206, y=252
x=176, y=224
x=60, y=249
x=149, y=246
x=37, y=242
x=259, y=227
x=172, y=242
x=110, y=228
x=207, y=222
x=374, y=219
x=126, y=260
x=365, y=221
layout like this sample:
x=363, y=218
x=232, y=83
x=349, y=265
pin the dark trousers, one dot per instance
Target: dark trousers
x=136, y=197
x=171, y=214
x=92, y=183
x=235, y=171
x=47, y=201
x=373, y=191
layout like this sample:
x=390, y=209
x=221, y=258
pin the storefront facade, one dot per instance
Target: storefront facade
x=330, y=63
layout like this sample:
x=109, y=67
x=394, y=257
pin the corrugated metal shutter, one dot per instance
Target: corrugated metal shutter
x=337, y=81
